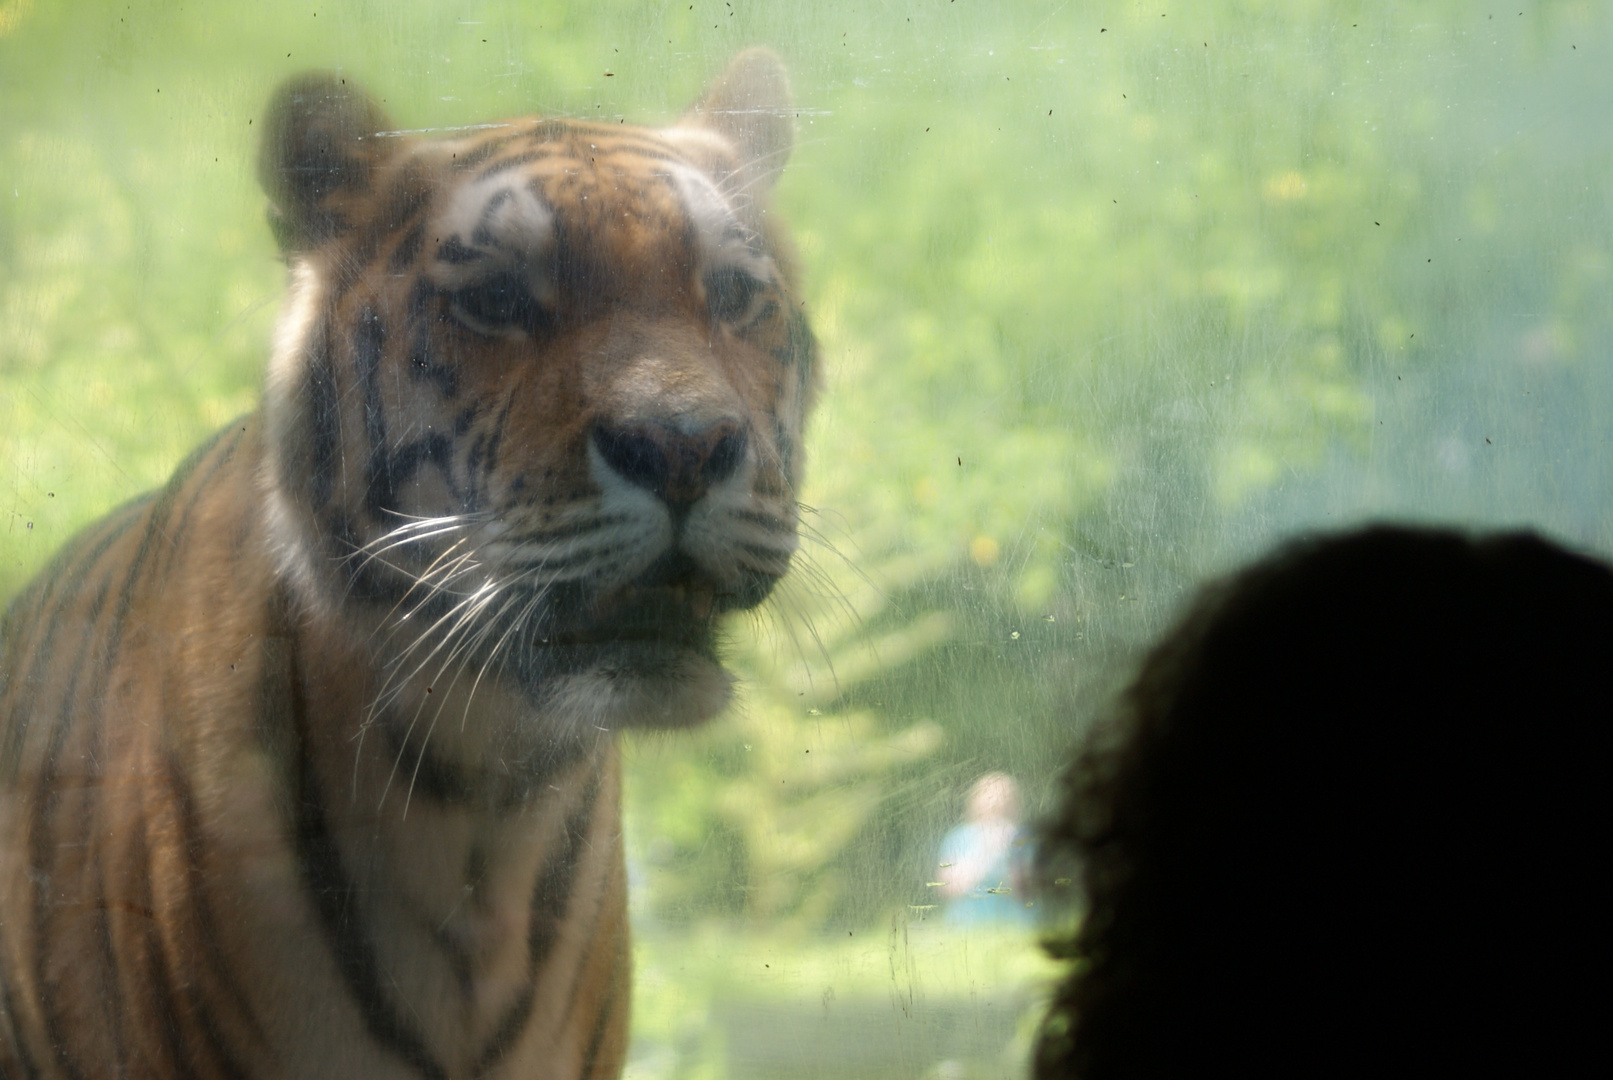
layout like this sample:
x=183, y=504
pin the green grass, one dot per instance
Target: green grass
x=890, y=1001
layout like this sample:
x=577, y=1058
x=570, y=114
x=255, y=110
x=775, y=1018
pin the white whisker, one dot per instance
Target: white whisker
x=488, y=627
x=469, y=644
x=474, y=602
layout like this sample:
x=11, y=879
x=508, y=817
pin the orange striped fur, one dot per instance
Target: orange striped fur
x=306, y=760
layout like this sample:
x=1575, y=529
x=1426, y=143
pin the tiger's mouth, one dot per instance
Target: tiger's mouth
x=674, y=603
x=672, y=607
x=644, y=654
x=682, y=614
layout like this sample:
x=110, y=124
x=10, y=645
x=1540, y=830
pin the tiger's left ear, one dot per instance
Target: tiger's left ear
x=748, y=105
x=319, y=157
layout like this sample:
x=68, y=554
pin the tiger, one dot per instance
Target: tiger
x=308, y=760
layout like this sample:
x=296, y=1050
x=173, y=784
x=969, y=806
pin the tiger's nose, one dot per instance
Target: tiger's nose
x=677, y=466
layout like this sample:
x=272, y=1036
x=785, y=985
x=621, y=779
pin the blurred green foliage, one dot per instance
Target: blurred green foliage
x=1099, y=287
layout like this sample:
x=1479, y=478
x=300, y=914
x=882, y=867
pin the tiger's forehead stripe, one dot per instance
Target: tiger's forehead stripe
x=558, y=180
x=547, y=142
x=479, y=153
x=550, y=139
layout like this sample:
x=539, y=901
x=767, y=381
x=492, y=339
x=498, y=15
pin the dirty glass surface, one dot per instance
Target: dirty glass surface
x=1109, y=298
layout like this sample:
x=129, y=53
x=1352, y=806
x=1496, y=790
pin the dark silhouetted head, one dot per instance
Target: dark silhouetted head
x=1349, y=820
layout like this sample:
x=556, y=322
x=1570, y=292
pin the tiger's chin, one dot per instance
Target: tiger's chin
x=631, y=684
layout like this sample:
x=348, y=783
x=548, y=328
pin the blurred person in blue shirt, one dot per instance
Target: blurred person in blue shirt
x=983, y=861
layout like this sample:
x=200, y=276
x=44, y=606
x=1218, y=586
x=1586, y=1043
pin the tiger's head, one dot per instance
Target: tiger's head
x=534, y=411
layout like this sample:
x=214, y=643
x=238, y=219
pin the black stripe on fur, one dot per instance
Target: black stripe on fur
x=332, y=896
x=48, y=800
x=551, y=902
x=324, y=421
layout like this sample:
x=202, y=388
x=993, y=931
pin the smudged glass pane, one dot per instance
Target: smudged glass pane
x=1107, y=299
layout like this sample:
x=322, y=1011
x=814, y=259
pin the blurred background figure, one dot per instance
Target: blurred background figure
x=1347, y=823
x=983, y=861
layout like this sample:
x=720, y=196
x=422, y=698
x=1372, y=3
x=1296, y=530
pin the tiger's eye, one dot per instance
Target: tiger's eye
x=730, y=291
x=501, y=301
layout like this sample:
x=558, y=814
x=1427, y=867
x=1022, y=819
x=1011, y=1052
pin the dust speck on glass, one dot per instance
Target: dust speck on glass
x=998, y=326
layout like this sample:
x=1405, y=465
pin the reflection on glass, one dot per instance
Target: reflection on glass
x=984, y=859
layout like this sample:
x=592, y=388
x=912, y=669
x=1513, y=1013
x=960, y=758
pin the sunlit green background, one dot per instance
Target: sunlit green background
x=1110, y=296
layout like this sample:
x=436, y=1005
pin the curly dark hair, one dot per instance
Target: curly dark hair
x=1346, y=820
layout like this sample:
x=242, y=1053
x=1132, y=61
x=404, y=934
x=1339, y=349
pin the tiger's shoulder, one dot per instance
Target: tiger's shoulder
x=71, y=620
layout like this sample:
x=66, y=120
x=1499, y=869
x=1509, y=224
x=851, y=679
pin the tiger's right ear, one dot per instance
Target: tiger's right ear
x=319, y=154
x=748, y=106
